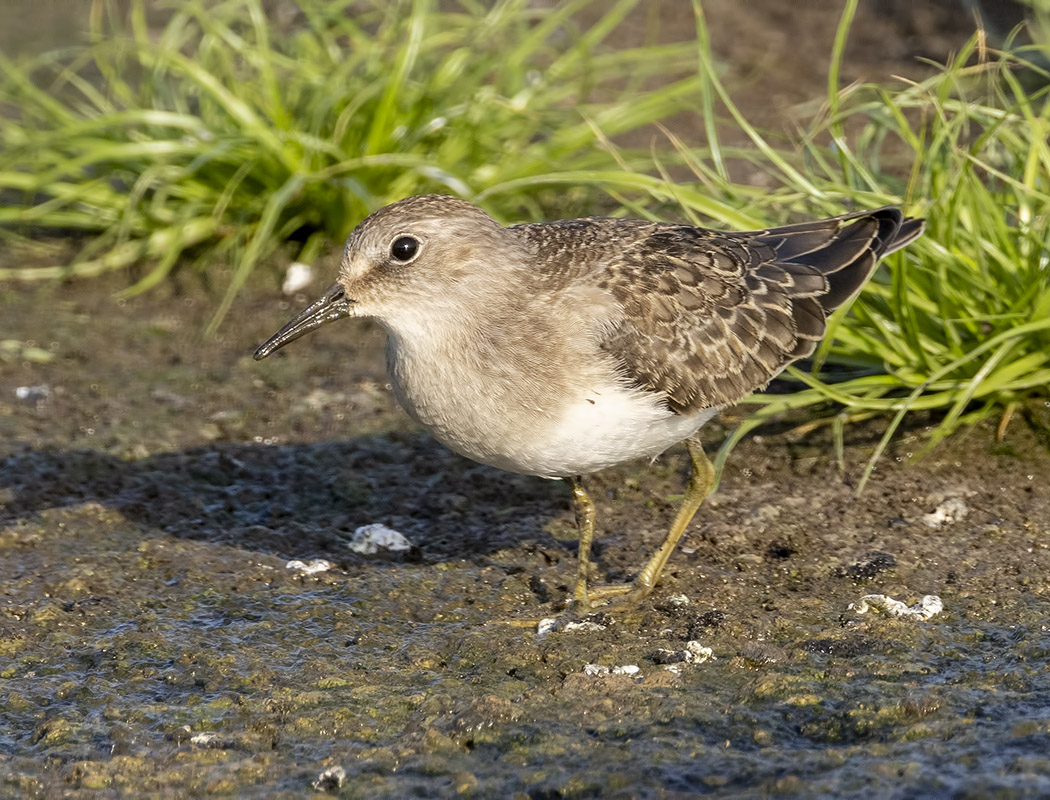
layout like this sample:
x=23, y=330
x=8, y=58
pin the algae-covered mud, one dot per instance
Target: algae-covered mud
x=154, y=487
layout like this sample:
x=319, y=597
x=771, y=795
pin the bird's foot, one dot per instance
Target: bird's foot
x=613, y=598
x=587, y=605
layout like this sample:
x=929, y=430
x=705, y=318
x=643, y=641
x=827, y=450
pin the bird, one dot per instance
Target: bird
x=559, y=349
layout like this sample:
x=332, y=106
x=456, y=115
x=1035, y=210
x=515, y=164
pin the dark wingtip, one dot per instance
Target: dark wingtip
x=892, y=231
x=910, y=229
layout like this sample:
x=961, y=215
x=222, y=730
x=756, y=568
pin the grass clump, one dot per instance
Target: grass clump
x=222, y=134
x=959, y=322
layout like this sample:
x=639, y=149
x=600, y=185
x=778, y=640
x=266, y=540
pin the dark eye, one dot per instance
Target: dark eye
x=404, y=248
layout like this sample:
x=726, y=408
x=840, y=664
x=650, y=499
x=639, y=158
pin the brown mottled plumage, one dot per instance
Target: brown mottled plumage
x=711, y=316
x=562, y=348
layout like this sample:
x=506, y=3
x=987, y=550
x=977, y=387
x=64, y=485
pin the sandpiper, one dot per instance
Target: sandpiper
x=559, y=349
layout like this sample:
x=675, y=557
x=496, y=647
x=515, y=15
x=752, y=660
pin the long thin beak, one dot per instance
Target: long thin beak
x=333, y=305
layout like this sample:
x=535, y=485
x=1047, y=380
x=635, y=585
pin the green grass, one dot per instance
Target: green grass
x=222, y=136
x=959, y=323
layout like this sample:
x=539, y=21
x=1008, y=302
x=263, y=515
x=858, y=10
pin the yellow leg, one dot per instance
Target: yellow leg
x=585, y=514
x=699, y=487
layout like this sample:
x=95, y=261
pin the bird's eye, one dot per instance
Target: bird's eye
x=404, y=248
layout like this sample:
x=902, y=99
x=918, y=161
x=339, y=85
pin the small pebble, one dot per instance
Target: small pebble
x=583, y=626
x=330, y=780
x=694, y=653
x=546, y=625
x=310, y=567
x=33, y=394
x=370, y=539
x=950, y=511
x=927, y=607
x=297, y=277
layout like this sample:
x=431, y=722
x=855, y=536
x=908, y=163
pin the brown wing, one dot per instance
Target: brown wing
x=709, y=317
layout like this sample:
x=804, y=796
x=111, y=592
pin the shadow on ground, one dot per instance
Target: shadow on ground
x=295, y=500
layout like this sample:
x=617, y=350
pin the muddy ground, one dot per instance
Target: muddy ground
x=153, y=640
x=154, y=486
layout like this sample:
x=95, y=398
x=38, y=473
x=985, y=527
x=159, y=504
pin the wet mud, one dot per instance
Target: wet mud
x=154, y=486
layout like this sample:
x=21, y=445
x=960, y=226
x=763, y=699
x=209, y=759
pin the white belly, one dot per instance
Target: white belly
x=604, y=429
x=576, y=419
x=600, y=431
